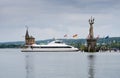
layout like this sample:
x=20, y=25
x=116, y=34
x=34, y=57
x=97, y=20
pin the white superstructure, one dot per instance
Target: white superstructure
x=54, y=46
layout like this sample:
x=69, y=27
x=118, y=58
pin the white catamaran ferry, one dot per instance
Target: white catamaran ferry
x=54, y=46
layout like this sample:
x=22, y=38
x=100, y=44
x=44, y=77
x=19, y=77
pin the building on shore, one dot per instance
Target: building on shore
x=29, y=40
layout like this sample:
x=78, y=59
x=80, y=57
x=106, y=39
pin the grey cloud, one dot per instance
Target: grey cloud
x=57, y=14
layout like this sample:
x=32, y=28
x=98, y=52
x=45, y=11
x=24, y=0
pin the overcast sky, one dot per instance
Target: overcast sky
x=55, y=18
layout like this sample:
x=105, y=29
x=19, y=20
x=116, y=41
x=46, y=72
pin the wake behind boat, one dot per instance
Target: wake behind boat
x=54, y=46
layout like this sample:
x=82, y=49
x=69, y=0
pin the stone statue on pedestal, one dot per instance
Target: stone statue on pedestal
x=91, y=41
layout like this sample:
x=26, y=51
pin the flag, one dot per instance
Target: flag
x=75, y=35
x=97, y=37
x=107, y=37
x=65, y=35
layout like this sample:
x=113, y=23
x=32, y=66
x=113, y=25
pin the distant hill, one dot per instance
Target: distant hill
x=73, y=42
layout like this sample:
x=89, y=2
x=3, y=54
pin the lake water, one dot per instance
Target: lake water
x=17, y=64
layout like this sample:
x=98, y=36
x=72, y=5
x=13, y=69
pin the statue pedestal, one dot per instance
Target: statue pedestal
x=91, y=45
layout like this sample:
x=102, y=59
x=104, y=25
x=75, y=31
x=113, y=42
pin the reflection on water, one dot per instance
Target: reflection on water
x=17, y=64
x=29, y=65
x=91, y=71
x=30, y=69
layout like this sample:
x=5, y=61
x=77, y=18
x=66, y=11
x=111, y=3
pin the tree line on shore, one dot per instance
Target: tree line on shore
x=113, y=42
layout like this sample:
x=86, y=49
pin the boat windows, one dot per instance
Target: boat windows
x=53, y=47
x=58, y=42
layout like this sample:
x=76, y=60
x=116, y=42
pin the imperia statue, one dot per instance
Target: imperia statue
x=91, y=22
